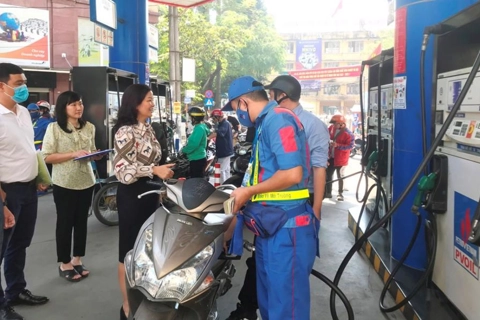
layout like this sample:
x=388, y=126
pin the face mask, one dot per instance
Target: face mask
x=244, y=117
x=20, y=93
x=35, y=116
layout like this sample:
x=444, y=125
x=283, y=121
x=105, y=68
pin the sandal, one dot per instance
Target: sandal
x=123, y=316
x=69, y=275
x=81, y=269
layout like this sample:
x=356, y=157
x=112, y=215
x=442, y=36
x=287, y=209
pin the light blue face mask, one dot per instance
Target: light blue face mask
x=20, y=93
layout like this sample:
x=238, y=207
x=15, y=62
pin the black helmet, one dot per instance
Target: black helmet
x=197, y=114
x=288, y=85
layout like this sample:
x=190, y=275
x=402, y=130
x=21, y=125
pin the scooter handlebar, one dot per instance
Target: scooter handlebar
x=156, y=183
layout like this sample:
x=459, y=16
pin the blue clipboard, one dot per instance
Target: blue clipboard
x=98, y=153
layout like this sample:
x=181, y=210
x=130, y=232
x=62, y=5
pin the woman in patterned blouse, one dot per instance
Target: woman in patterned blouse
x=69, y=138
x=137, y=153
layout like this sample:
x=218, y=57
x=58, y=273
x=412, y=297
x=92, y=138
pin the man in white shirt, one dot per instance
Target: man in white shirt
x=18, y=171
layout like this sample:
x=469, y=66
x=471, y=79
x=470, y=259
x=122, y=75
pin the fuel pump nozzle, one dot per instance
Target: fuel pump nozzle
x=371, y=160
x=425, y=186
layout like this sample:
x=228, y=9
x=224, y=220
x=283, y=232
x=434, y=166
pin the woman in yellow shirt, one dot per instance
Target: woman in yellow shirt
x=65, y=140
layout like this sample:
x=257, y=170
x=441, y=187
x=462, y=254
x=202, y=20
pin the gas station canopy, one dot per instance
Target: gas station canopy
x=182, y=3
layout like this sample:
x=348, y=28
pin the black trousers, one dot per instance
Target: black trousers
x=133, y=212
x=22, y=201
x=248, y=293
x=340, y=173
x=197, y=168
x=72, y=216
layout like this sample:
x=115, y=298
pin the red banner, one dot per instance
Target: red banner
x=327, y=73
x=400, y=64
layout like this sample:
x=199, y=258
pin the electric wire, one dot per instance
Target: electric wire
x=410, y=185
x=365, y=144
x=430, y=222
x=422, y=99
x=341, y=295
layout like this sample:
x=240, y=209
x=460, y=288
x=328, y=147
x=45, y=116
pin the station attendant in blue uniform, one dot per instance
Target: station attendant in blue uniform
x=41, y=124
x=273, y=202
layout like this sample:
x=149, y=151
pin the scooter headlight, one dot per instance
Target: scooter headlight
x=176, y=285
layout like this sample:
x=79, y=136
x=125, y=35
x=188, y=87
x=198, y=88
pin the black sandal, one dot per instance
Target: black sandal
x=69, y=275
x=80, y=269
x=123, y=316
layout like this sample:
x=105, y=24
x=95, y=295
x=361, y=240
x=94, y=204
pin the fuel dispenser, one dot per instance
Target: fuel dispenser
x=456, y=271
x=101, y=89
x=160, y=123
x=378, y=154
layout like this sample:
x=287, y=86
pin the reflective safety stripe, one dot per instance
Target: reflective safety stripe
x=37, y=142
x=272, y=196
x=282, y=195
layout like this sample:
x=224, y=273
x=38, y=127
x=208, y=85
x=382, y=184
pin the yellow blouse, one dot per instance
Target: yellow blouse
x=75, y=175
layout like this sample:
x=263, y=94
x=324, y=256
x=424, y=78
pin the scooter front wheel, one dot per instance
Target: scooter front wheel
x=105, y=204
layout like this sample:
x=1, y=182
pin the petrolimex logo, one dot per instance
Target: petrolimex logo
x=464, y=253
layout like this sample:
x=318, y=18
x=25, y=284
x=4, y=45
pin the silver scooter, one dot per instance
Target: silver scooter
x=178, y=268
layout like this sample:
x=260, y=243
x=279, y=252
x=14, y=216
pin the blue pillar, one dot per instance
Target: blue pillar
x=130, y=50
x=407, y=146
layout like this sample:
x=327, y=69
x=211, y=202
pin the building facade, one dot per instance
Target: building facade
x=327, y=95
x=49, y=37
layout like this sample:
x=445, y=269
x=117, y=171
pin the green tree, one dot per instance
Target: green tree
x=242, y=41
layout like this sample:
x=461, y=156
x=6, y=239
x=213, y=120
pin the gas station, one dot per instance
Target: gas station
x=418, y=225
x=422, y=153
x=417, y=221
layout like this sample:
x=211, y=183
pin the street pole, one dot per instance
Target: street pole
x=174, y=46
x=175, y=76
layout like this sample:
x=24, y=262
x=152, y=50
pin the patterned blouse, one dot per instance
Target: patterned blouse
x=136, y=152
x=74, y=175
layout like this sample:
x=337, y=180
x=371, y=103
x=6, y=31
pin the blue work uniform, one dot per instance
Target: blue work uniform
x=39, y=128
x=285, y=259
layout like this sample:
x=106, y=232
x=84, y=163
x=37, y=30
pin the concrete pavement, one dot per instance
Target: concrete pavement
x=98, y=297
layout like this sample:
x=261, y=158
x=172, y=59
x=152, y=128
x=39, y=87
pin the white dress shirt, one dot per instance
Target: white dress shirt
x=18, y=158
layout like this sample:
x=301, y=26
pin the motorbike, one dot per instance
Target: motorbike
x=181, y=169
x=239, y=164
x=357, y=148
x=104, y=201
x=177, y=269
x=211, y=158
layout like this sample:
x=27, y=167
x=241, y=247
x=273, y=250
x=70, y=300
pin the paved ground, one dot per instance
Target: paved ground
x=98, y=298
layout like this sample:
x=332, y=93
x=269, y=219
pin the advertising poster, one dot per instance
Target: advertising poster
x=400, y=92
x=464, y=253
x=90, y=53
x=309, y=54
x=24, y=36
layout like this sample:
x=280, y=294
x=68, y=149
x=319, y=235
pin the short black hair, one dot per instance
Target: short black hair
x=63, y=100
x=257, y=96
x=131, y=99
x=6, y=69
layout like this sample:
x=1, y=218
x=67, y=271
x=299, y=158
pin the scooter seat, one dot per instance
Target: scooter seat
x=199, y=193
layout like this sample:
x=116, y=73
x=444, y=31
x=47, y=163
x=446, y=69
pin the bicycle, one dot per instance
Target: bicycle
x=104, y=199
